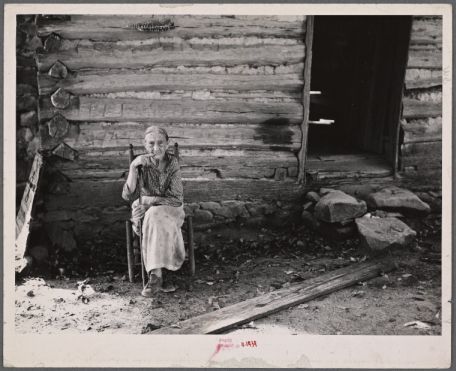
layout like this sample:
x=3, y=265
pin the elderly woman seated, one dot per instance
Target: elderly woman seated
x=161, y=207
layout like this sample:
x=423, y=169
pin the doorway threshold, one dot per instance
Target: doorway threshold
x=326, y=167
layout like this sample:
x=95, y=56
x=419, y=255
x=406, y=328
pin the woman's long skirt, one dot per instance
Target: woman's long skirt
x=162, y=242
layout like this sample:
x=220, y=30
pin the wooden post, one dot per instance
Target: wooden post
x=130, y=257
x=397, y=106
x=306, y=100
x=191, y=249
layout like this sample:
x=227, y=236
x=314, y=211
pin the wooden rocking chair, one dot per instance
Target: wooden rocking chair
x=134, y=241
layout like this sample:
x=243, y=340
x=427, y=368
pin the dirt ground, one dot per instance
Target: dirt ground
x=237, y=263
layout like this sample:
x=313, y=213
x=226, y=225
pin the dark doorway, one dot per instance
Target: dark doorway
x=358, y=64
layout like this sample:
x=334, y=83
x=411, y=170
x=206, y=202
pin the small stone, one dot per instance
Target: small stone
x=337, y=206
x=202, y=216
x=325, y=191
x=233, y=208
x=255, y=209
x=300, y=243
x=30, y=294
x=398, y=199
x=308, y=205
x=210, y=205
x=313, y=196
x=378, y=234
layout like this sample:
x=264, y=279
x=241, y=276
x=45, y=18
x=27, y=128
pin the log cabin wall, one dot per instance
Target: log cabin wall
x=421, y=147
x=227, y=88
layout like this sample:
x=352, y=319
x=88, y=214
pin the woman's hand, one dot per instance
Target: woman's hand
x=138, y=161
x=139, y=211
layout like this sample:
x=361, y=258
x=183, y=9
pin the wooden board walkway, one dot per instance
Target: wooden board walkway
x=261, y=306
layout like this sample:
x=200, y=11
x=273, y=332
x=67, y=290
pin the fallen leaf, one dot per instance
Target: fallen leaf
x=303, y=306
x=417, y=325
x=358, y=294
x=289, y=272
x=30, y=294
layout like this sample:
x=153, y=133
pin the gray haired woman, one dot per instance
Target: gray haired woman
x=161, y=206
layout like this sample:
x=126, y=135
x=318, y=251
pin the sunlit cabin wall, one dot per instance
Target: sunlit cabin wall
x=421, y=149
x=227, y=88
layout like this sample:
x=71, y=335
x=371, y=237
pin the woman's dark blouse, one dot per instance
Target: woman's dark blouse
x=166, y=185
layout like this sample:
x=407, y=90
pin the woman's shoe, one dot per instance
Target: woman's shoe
x=153, y=286
x=168, y=287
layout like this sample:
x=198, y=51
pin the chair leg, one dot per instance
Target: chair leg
x=130, y=257
x=143, y=270
x=191, y=250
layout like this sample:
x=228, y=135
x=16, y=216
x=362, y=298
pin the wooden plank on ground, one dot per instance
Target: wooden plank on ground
x=234, y=315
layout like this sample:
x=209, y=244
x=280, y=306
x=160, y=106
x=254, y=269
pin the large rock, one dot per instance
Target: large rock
x=378, y=234
x=337, y=206
x=202, y=216
x=397, y=199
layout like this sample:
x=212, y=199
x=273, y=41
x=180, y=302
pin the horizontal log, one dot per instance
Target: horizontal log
x=424, y=130
x=207, y=164
x=414, y=109
x=422, y=162
x=421, y=149
x=423, y=83
x=422, y=78
x=116, y=28
x=83, y=84
x=430, y=95
x=361, y=163
x=107, y=193
x=186, y=110
x=175, y=44
x=424, y=59
x=258, y=56
x=426, y=30
x=102, y=134
x=421, y=179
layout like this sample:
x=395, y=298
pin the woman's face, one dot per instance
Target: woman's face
x=156, y=145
